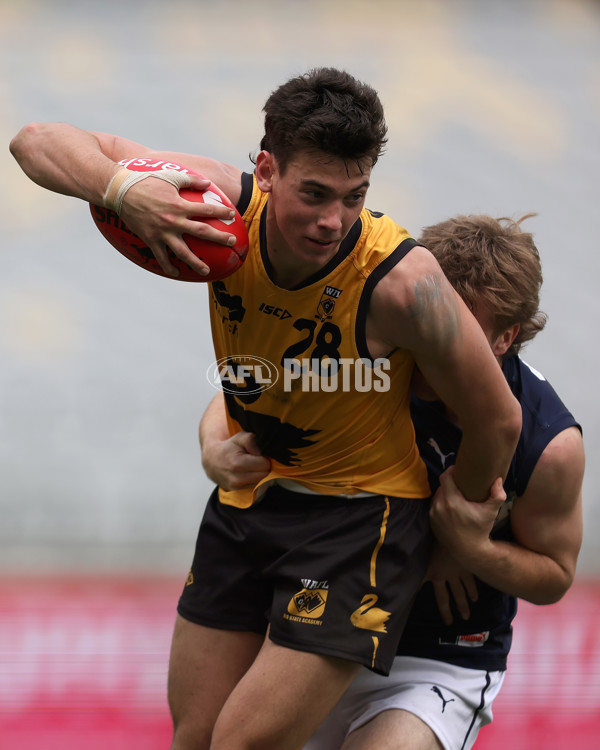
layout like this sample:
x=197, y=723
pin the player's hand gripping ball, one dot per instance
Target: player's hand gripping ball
x=221, y=259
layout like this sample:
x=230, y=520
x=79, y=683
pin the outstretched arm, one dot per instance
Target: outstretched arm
x=80, y=163
x=546, y=522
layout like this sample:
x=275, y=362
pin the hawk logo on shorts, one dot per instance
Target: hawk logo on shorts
x=308, y=603
x=369, y=617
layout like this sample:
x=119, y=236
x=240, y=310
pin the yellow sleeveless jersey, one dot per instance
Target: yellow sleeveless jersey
x=295, y=369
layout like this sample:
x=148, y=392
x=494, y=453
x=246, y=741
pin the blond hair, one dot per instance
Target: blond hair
x=495, y=263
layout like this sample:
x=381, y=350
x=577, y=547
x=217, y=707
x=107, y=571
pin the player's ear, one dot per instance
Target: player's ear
x=265, y=169
x=503, y=342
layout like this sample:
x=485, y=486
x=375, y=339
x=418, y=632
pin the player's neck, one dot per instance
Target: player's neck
x=289, y=275
x=287, y=269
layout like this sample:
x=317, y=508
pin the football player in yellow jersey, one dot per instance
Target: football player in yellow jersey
x=315, y=555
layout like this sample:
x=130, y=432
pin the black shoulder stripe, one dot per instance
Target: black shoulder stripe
x=363, y=306
x=247, y=186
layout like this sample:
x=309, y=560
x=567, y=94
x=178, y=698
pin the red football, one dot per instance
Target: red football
x=221, y=260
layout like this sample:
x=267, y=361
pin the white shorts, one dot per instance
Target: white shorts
x=455, y=702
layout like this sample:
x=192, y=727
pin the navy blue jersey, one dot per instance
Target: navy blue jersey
x=483, y=641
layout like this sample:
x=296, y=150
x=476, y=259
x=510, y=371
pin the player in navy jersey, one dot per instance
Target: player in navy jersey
x=522, y=542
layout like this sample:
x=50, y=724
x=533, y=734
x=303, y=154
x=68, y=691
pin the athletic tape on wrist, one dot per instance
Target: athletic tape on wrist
x=124, y=179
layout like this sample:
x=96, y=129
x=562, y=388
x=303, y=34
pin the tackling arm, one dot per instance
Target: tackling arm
x=546, y=522
x=232, y=462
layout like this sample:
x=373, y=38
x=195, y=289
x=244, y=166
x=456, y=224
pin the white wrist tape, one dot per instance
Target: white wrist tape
x=124, y=179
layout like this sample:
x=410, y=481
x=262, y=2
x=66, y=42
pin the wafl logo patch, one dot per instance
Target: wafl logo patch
x=308, y=605
x=326, y=304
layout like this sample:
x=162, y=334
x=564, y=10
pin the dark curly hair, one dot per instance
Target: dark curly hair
x=325, y=110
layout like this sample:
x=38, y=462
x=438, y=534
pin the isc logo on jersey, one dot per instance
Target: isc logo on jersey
x=276, y=312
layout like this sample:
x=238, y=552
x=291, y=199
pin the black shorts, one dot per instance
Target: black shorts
x=329, y=575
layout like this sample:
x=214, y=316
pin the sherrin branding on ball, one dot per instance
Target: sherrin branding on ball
x=221, y=259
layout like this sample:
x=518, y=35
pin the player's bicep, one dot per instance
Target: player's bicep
x=418, y=309
x=547, y=518
x=118, y=148
x=225, y=176
x=456, y=360
x=415, y=307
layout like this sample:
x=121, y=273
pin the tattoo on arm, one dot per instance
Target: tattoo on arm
x=434, y=306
